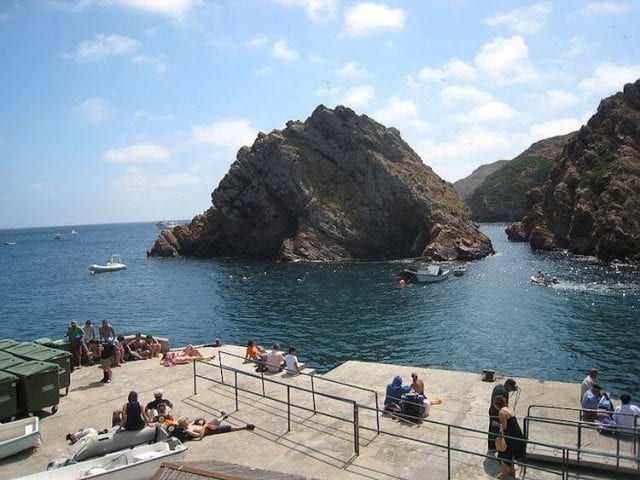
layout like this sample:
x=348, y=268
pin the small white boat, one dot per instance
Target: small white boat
x=9, y=243
x=113, y=265
x=433, y=273
x=139, y=463
x=73, y=232
x=166, y=224
x=458, y=271
x=57, y=236
x=18, y=435
x=546, y=280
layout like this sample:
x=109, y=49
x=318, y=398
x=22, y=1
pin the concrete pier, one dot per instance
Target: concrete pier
x=317, y=445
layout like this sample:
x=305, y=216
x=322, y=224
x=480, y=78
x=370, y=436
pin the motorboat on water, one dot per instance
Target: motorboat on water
x=18, y=435
x=431, y=274
x=9, y=243
x=73, y=232
x=112, y=265
x=459, y=271
x=544, y=279
x=57, y=236
x=166, y=224
x=138, y=463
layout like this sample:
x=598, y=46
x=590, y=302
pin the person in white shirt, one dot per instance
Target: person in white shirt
x=624, y=416
x=275, y=359
x=588, y=382
x=291, y=362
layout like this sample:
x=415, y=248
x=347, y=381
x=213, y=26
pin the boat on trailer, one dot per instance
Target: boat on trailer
x=138, y=463
x=18, y=435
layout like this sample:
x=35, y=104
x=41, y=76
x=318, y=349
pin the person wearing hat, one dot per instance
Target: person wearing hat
x=153, y=407
x=588, y=382
x=75, y=334
x=590, y=403
x=500, y=390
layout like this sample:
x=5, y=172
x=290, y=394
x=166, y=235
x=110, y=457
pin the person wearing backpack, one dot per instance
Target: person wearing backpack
x=106, y=359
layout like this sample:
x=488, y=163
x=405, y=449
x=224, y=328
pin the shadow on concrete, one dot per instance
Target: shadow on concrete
x=491, y=466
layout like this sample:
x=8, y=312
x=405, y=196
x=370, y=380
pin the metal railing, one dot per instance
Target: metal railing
x=313, y=378
x=563, y=473
x=580, y=426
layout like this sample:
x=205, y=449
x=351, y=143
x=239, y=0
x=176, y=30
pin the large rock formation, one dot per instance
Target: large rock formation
x=468, y=185
x=337, y=186
x=502, y=197
x=591, y=202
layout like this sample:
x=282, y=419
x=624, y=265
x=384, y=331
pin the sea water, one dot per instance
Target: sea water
x=492, y=317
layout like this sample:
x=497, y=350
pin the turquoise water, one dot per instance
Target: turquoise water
x=491, y=317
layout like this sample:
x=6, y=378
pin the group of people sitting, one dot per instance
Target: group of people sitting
x=132, y=416
x=597, y=406
x=273, y=361
x=408, y=400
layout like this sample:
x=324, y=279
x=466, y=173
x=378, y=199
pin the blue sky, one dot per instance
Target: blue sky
x=133, y=110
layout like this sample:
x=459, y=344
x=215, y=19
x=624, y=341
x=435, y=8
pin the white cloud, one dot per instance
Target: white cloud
x=489, y=111
x=608, y=78
x=147, y=116
x=172, y=8
x=316, y=10
x=453, y=70
x=103, y=46
x=359, y=96
x=93, y=110
x=558, y=99
x=506, y=60
x=282, y=51
x=229, y=134
x=364, y=18
x=353, y=71
x=395, y=111
x=258, y=41
x=456, y=94
x=141, y=182
x=328, y=91
x=157, y=63
x=577, y=46
x=472, y=141
x=599, y=8
x=527, y=19
x=263, y=71
x=139, y=153
x=552, y=128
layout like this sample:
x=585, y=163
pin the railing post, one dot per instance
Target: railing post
x=356, y=429
x=579, y=442
x=617, y=454
x=235, y=374
x=565, y=460
x=221, y=369
x=195, y=379
x=449, y=451
x=377, y=415
x=262, y=379
x=313, y=394
x=288, y=408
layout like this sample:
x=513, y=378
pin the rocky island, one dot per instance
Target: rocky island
x=338, y=186
x=590, y=202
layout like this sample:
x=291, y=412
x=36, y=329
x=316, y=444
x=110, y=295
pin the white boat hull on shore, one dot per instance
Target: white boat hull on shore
x=139, y=463
x=18, y=435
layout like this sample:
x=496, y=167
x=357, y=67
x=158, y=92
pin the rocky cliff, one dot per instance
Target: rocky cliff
x=591, y=202
x=337, y=186
x=467, y=185
x=502, y=197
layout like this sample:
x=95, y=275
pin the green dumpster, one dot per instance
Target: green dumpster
x=43, y=341
x=6, y=343
x=8, y=396
x=38, y=385
x=33, y=351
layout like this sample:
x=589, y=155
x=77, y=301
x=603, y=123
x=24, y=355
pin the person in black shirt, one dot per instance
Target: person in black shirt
x=153, y=407
x=498, y=391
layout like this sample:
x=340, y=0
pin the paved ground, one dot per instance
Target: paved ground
x=317, y=446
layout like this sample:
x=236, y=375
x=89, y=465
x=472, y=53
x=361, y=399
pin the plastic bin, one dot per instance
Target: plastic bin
x=34, y=351
x=6, y=343
x=8, y=396
x=38, y=385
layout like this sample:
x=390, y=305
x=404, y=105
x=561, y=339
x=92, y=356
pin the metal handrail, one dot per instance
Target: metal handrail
x=356, y=424
x=312, y=378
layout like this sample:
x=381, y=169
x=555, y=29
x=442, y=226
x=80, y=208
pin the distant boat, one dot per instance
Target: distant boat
x=113, y=265
x=9, y=243
x=57, y=236
x=544, y=279
x=138, y=463
x=73, y=232
x=431, y=274
x=166, y=224
x=18, y=435
x=458, y=271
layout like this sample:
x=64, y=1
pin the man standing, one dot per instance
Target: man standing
x=106, y=359
x=588, y=382
x=498, y=391
x=75, y=335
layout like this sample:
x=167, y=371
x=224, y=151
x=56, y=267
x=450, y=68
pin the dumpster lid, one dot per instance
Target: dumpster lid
x=6, y=343
x=7, y=377
x=29, y=367
x=37, y=352
x=22, y=349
